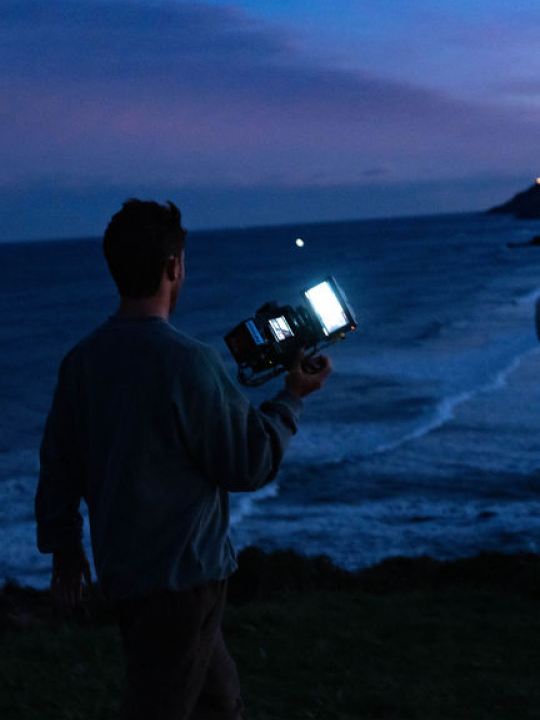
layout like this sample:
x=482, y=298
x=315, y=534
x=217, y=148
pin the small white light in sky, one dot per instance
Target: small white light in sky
x=299, y=242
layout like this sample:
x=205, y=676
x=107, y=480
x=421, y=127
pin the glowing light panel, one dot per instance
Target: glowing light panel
x=327, y=307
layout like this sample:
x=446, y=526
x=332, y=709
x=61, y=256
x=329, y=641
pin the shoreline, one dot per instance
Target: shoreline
x=266, y=576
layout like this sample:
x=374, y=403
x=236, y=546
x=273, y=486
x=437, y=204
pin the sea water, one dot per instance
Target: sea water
x=425, y=439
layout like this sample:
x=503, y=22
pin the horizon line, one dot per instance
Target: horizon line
x=257, y=226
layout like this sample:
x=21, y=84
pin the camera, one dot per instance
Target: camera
x=267, y=343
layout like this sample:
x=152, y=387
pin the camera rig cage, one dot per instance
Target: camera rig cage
x=267, y=343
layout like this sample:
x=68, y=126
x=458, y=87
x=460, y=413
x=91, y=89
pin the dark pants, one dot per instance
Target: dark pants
x=177, y=664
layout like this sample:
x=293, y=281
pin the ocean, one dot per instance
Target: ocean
x=425, y=439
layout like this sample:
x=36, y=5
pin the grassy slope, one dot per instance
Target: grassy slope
x=452, y=653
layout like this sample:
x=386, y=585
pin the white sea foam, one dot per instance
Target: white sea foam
x=356, y=535
x=16, y=499
x=443, y=414
x=528, y=298
x=446, y=408
x=242, y=505
x=332, y=441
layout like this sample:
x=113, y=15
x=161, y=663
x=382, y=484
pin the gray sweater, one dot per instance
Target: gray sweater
x=148, y=427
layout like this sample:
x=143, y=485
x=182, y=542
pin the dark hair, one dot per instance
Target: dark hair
x=137, y=242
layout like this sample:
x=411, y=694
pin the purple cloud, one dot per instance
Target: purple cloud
x=205, y=95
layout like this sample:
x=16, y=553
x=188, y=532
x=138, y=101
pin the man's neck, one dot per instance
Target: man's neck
x=140, y=308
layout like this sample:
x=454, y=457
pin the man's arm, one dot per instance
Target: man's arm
x=59, y=491
x=58, y=496
x=238, y=446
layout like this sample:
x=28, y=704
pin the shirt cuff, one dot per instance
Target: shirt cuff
x=291, y=407
x=292, y=401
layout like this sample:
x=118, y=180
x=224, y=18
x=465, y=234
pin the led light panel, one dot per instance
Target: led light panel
x=327, y=306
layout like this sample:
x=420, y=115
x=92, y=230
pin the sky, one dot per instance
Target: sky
x=263, y=111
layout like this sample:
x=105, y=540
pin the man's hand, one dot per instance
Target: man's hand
x=71, y=571
x=308, y=374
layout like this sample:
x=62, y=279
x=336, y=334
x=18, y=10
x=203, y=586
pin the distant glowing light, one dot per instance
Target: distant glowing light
x=300, y=242
x=537, y=180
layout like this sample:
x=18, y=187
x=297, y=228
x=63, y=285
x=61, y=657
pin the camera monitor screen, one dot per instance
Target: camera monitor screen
x=327, y=307
x=254, y=332
x=280, y=328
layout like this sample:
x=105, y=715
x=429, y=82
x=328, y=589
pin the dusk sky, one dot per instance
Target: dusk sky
x=263, y=111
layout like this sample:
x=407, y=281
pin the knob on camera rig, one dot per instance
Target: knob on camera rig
x=267, y=343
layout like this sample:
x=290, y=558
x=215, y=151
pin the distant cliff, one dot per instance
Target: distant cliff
x=525, y=204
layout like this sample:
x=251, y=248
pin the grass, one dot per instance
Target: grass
x=445, y=654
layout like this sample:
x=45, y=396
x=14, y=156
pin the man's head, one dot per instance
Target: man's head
x=144, y=248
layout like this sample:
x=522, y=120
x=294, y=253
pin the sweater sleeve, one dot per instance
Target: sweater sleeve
x=59, y=522
x=238, y=446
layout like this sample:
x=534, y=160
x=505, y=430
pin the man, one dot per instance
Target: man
x=148, y=427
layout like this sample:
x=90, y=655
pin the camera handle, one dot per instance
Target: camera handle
x=250, y=380
x=245, y=378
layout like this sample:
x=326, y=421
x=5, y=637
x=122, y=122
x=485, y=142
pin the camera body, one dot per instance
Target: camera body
x=267, y=343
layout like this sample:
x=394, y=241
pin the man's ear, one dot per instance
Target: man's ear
x=172, y=268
